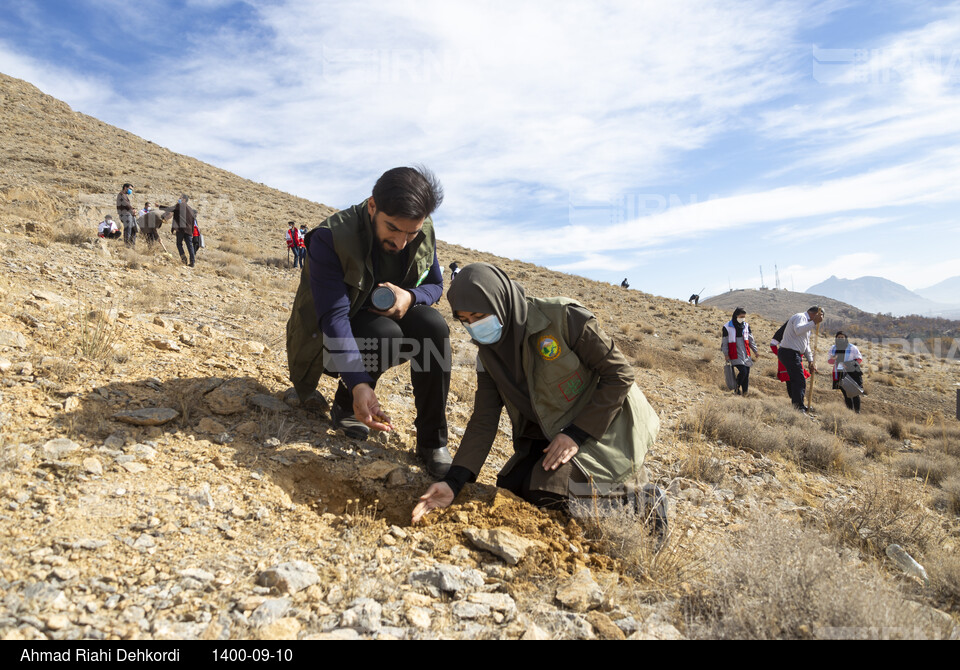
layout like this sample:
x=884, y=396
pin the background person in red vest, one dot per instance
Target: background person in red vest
x=296, y=244
x=736, y=344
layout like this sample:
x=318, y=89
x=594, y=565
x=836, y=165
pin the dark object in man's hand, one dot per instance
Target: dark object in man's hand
x=383, y=298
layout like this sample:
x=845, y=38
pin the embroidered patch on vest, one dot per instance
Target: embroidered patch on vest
x=571, y=387
x=548, y=348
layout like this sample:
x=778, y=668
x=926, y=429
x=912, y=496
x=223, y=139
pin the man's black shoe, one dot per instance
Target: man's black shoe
x=348, y=423
x=437, y=461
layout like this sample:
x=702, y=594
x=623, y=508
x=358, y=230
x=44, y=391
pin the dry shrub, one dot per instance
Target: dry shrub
x=621, y=534
x=647, y=330
x=74, y=231
x=944, y=571
x=931, y=466
x=132, y=258
x=760, y=426
x=950, y=495
x=882, y=513
x=896, y=429
x=881, y=378
x=857, y=430
x=149, y=294
x=691, y=338
x=644, y=360
x=273, y=262
x=703, y=465
x=783, y=582
x=98, y=330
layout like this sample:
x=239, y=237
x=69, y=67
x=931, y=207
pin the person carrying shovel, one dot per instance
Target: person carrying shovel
x=796, y=343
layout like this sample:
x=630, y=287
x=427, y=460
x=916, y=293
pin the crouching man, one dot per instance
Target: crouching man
x=363, y=306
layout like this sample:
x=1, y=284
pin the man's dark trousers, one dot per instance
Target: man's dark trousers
x=797, y=386
x=421, y=337
x=186, y=236
x=129, y=228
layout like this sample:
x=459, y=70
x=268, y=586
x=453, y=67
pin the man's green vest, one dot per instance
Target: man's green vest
x=353, y=239
x=561, y=387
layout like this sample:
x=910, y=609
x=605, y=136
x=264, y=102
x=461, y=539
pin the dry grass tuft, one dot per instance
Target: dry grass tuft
x=930, y=467
x=783, y=582
x=703, y=464
x=950, y=495
x=76, y=232
x=882, y=513
x=98, y=330
x=623, y=535
x=857, y=430
x=761, y=426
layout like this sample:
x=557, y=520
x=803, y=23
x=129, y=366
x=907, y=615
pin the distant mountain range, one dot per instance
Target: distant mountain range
x=779, y=305
x=882, y=296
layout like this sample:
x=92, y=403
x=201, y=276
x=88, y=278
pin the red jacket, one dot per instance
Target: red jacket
x=295, y=241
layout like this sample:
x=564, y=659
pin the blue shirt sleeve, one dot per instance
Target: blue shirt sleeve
x=332, y=303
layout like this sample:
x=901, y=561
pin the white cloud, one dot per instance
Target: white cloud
x=82, y=92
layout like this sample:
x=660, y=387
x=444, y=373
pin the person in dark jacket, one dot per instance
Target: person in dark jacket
x=379, y=252
x=184, y=220
x=581, y=427
x=127, y=214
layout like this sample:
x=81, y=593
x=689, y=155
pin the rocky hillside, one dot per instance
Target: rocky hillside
x=157, y=480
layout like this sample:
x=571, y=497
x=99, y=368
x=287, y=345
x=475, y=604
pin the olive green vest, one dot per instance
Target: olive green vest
x=561, y=386
x=353, y=238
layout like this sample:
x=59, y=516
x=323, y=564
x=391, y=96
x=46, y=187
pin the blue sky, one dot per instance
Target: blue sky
x=680, y=144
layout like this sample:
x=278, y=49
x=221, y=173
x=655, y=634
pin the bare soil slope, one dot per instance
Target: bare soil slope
x=113, y=529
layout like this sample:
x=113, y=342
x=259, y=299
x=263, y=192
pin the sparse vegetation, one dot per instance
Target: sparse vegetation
x=779, y=581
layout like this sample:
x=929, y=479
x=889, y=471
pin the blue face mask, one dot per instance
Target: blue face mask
x=129, y=191
x=486, y=330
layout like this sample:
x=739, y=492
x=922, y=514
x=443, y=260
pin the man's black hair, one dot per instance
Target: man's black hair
x=408, y=193
x=126, y=186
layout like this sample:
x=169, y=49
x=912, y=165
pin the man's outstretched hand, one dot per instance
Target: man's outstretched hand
x=366, y=408
x=438, y=495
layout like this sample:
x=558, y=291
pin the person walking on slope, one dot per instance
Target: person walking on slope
x=847, y=362
x=581, y=426
x=795, y=346
x=782, y=374
x=296, y=244
x=127, y=214
x=184, y=219
x=737, y=343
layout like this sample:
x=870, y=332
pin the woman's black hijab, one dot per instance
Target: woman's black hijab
x=485, y=288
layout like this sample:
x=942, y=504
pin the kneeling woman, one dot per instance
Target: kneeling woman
x=581, y=427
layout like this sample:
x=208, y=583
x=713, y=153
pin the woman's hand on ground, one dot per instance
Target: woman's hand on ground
x=438, y=495
x=558, y=452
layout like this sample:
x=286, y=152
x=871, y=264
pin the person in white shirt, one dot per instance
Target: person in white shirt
x=847, y=361
x=796, y=343
x=108, y=228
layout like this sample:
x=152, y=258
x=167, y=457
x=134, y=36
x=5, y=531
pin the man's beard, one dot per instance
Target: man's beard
x=388, y=249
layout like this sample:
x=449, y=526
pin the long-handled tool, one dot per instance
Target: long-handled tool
x=813, y=371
